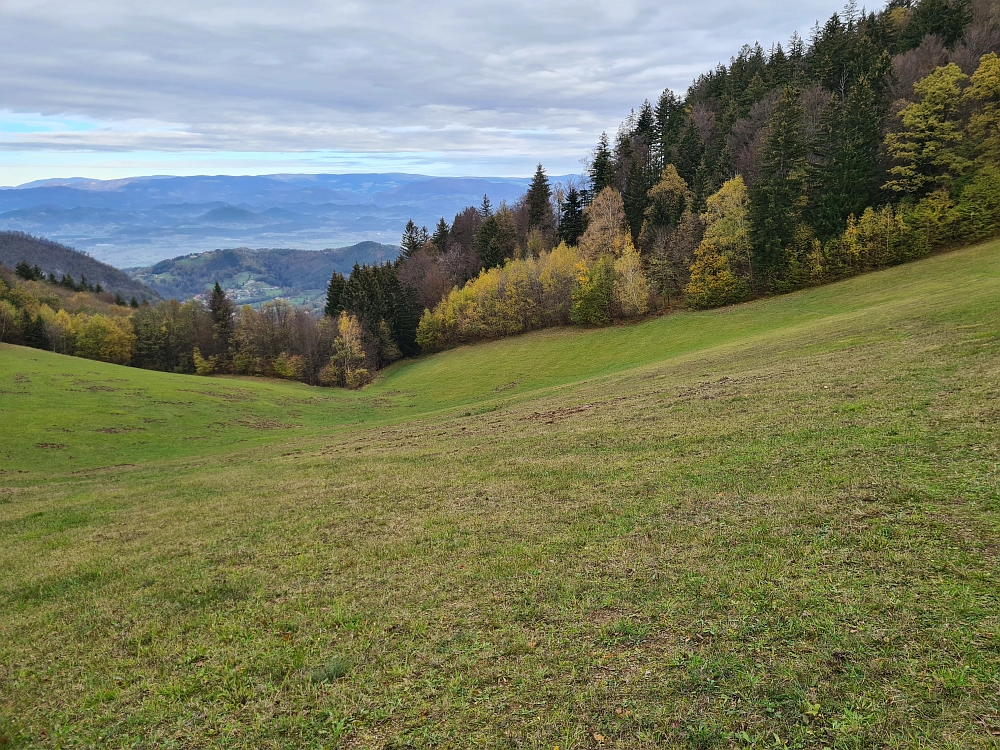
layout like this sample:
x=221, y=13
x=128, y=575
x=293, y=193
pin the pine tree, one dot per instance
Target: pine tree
x=335, y=293
x=538, y=199
x=776, y=199
x=571, y=222
x=411, y=242
x=601, y=167
x=134, y=303
x=486, y=208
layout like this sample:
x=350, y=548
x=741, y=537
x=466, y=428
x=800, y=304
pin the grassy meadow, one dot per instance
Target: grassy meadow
x=775, y=525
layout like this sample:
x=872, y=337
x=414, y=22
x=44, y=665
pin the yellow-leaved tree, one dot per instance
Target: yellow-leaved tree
x=926, y=150
x=346, y=365
x=722, y=266
x=106, y=339
x=605, y=225
x=631, y=288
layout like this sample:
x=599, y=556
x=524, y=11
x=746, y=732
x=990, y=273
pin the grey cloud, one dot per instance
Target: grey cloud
x=501, y=79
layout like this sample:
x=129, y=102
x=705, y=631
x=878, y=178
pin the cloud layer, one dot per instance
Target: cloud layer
x=470, y=82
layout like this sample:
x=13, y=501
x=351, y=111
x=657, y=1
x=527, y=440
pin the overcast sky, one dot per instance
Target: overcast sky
x=109, y=88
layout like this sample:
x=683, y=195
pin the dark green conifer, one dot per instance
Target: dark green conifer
x=601, y=167
x=776, y=199
x=335, y=293
x=571, y=222
x=441, y=233
x=538, y=199
x=412, y=240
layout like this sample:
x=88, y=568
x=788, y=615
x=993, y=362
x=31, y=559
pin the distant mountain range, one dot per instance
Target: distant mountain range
x=60, y=260
x=255, y=276
x=139, y=221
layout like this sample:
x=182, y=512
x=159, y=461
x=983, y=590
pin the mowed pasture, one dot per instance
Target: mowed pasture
x=773, y=525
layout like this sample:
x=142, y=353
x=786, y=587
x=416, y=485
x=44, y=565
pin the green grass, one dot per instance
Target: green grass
x=774, y=525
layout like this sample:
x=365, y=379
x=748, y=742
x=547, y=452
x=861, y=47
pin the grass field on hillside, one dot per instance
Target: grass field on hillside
x=772, y=525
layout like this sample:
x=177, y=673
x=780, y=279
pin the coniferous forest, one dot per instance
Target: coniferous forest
x=874, y=143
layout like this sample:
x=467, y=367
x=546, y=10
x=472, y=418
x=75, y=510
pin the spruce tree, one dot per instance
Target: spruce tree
x=601, y=167
x=486, y=208
x=571, y=222
x=34, y=332
x=411, y=241
x=538, y=199
x=846, y=180
x=222, y=311
x=776, y=199
x=689, y=152
x=668, y=121
x=335, y=293
x=636, y=196
x=441, y=233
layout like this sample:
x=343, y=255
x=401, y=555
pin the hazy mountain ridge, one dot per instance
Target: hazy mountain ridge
x=140, y=221
x=58, y=259
x=254, y=276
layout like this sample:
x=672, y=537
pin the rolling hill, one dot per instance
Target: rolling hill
x=254, y=276
x=769, y=525
x=52, y=257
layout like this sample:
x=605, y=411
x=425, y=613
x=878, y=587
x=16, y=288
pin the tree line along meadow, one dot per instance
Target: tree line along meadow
x=876, y=143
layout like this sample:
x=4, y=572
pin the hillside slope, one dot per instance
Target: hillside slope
x=775, y=524
x=253, y=276
x=52, y=257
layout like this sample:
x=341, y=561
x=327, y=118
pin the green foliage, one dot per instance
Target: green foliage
x=375, y=295
x=601, y=169
x=978, y=209
x=335, y=293
x=945, y=18
x=713, y=282
x=594, y=294
x=776, y=200
x=984, y=123
x=440, y=237
x=413, y=239
x=496, y=239
x=845, y=181
x=926, y=149
x=668, y=199
x=538, y=199
x=28, y=272
x=571, y=221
